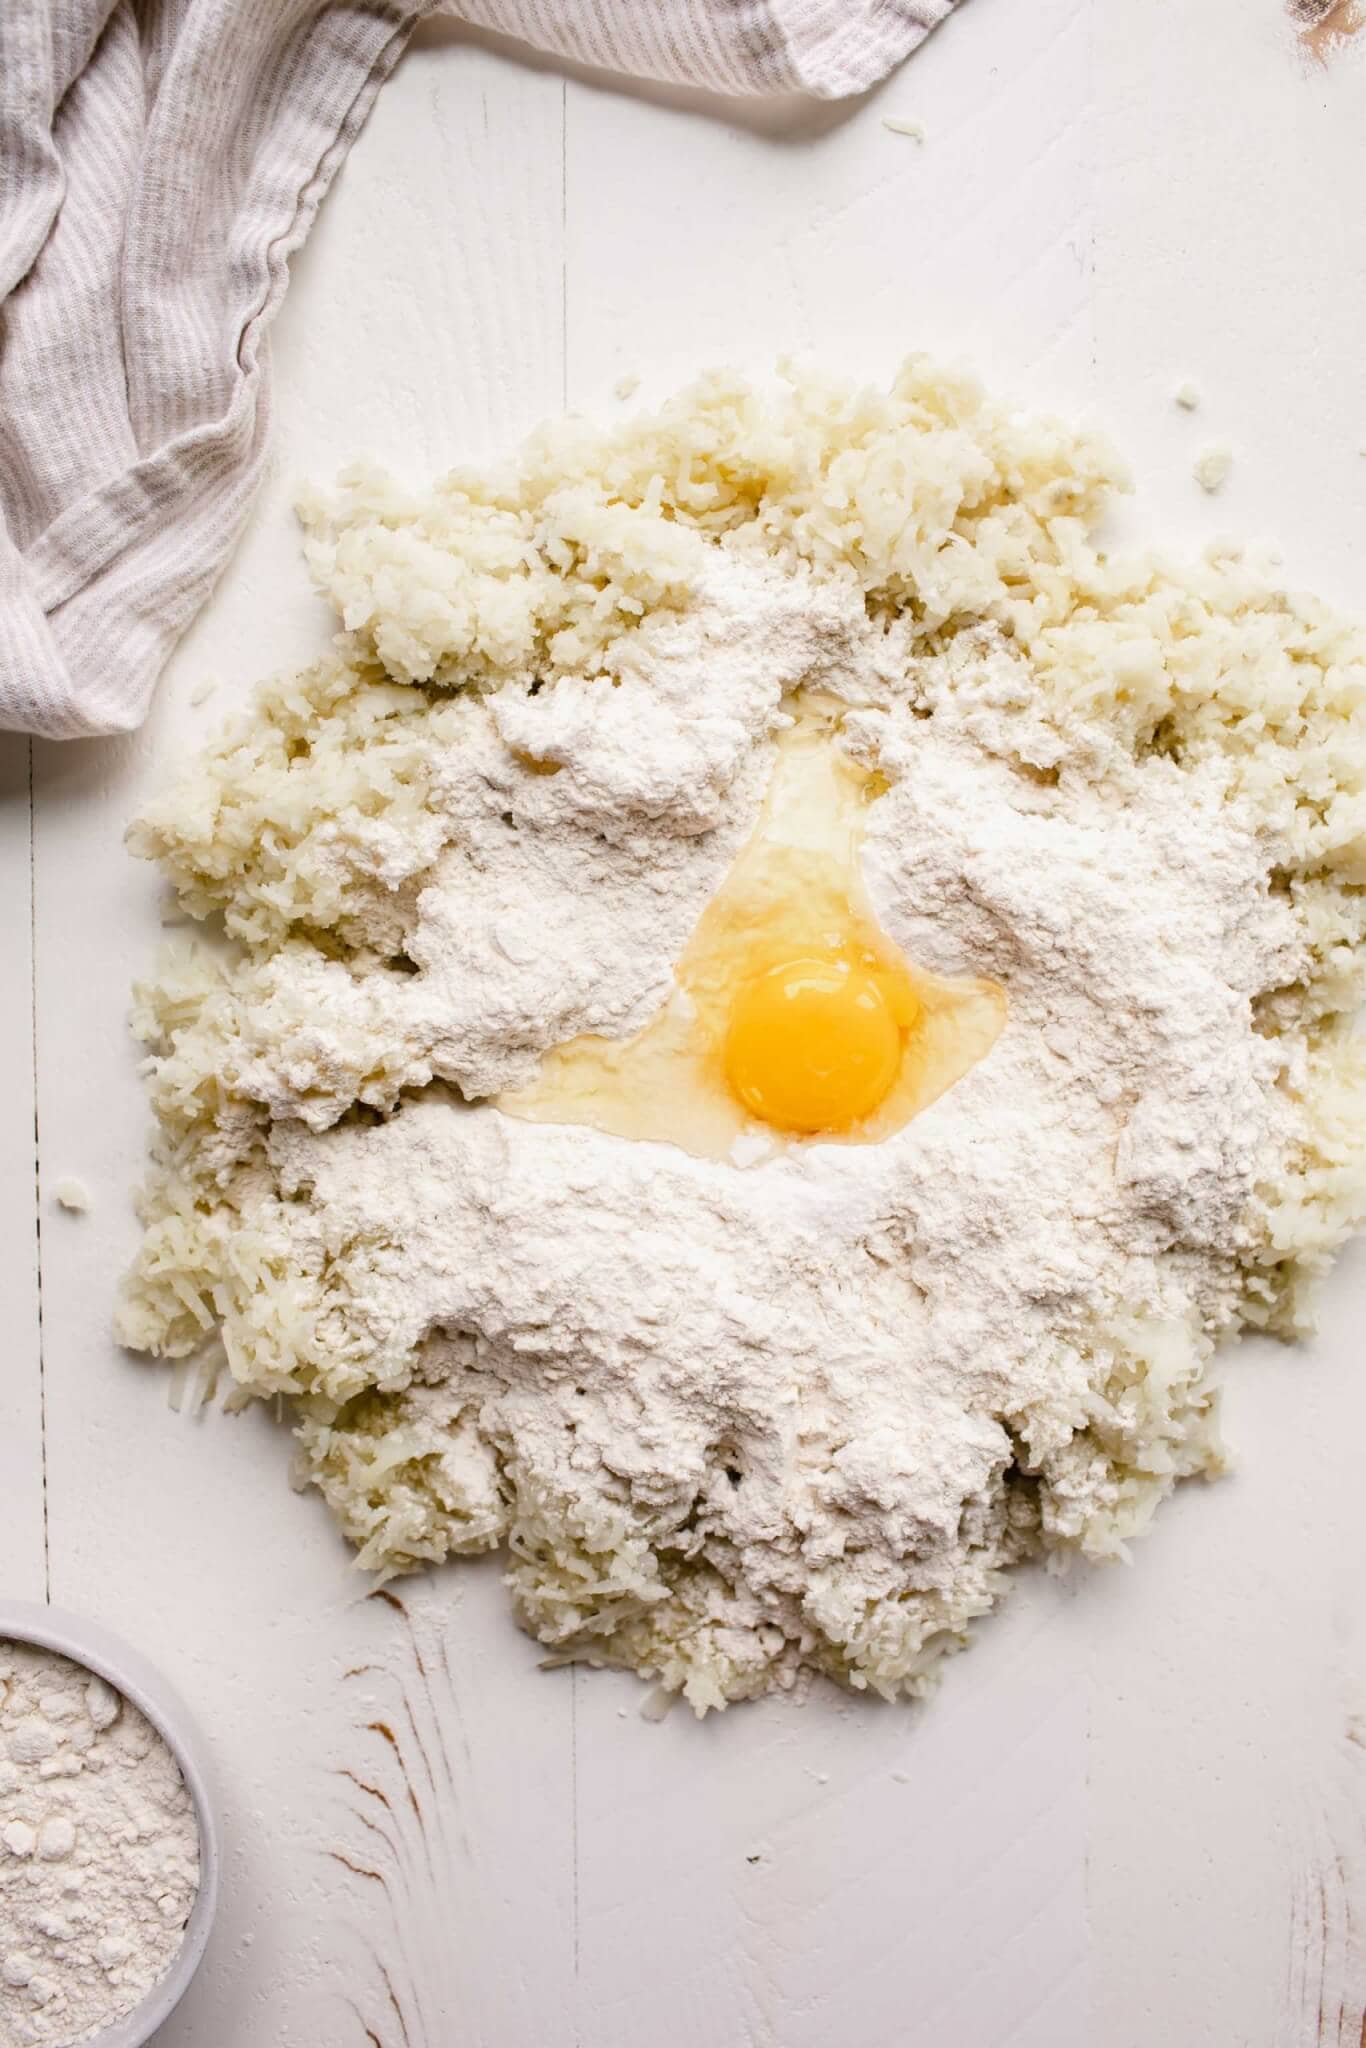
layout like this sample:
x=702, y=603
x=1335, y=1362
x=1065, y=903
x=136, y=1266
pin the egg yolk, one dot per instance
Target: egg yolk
x=793, y=1017
x=813, y=1044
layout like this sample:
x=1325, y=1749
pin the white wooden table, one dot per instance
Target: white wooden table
x=1136, y=1813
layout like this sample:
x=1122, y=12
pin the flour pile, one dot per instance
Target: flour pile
x=736, y=1422
x=99, y=1852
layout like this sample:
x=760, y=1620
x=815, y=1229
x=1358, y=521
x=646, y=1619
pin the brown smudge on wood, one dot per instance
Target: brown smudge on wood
x=382, y=1728
x=393, y=2000
x=420, y=1745
x=358, y=1812
x=1323, y=26
x=381, y=1833
x=392, y=1600
x=361, y=1786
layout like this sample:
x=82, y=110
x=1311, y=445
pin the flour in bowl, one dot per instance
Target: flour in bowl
x=748, y=1399
x=99, y=1852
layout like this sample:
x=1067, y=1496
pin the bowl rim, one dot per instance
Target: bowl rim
x=98, y=1649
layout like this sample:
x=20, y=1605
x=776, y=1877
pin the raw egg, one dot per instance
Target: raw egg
x=815, y=1044
x=793, y=1016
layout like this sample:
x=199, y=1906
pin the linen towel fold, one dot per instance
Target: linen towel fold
x=160, y=161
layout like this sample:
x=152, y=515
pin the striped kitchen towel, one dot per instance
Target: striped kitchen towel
x=160, y=161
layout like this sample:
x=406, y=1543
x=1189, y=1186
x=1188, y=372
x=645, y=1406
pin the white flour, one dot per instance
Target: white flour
x=99, y=1852
x=741, y=1422
x=810, y=1379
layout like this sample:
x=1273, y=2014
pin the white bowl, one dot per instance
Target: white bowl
x=85, y=1642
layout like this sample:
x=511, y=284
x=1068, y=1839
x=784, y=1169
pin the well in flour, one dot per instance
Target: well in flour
x=741, y=1418
x=791, y=1014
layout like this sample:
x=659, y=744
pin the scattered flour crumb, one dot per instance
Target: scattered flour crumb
x=1187, y=396
x=1212, y=466
x=72, y=1194
x=203, y=690
x=914, y=129
x=627, y=386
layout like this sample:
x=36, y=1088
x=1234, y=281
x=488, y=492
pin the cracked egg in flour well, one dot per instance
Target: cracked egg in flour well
x=779, y=772
x=793, y=1014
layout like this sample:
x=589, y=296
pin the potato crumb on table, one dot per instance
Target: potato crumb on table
x=1213, y=465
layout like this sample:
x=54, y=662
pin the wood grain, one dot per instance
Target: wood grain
x=1326, y=1951
x=441, y=1887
